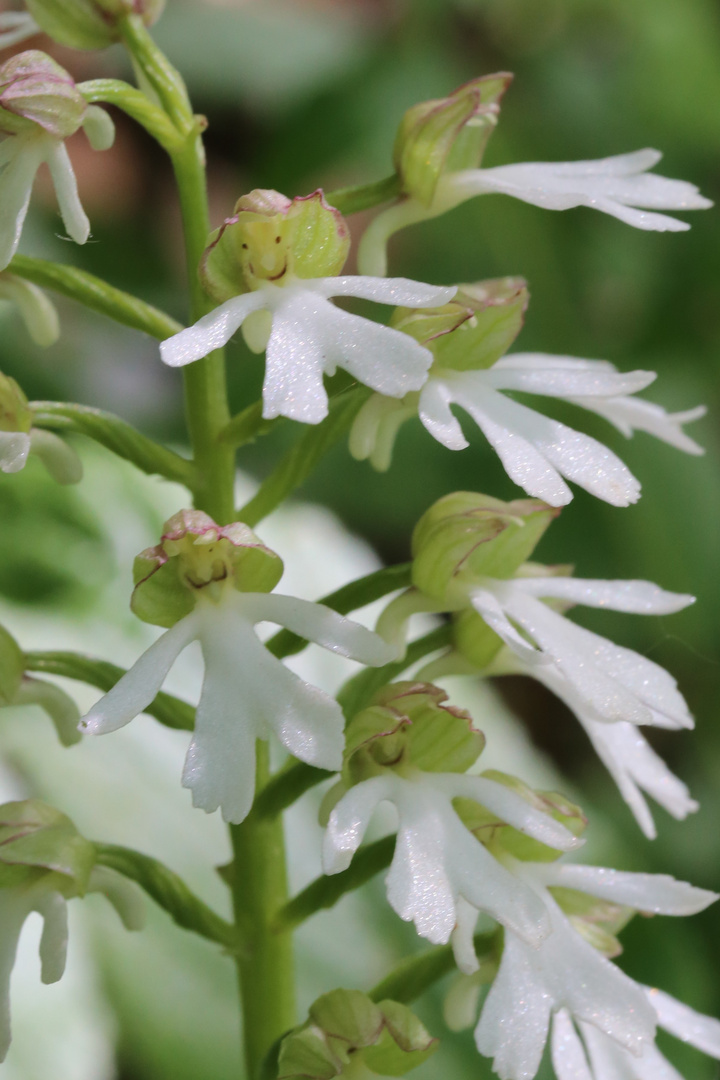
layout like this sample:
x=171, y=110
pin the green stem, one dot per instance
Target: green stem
x=169, y=710
x=247, y=425
x=265, y=961
x=351, y=200
x=96, y=294
x=169, y=891
x=295, y=467
x=115, y=434
x=135, y=104
x=286, y=787
x=257, y=874
x=206, y=403
x=325, y=891
x=418, y=973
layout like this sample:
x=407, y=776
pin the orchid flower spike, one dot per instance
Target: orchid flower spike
x=268, y=267
x=411, y=751
x=44, y=862
x=213, y=584
x=40, y=107
x=19, y=438
x=581, y=1052
x=469, y=339
x=568, y=975
x=470, y=555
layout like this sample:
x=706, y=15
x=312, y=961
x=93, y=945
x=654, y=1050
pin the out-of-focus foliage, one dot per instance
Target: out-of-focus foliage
x=310, y=92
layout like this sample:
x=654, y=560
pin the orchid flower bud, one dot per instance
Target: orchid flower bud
x=467, y=536
x=35, y=91
x=349, y=1035
x=273, y=239
x=447, y=134
x=195, y=556
x=90, y=24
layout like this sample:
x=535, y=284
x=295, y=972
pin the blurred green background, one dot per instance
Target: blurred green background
x=307, y=94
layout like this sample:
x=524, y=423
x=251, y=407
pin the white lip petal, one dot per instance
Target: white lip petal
x=16, y=26
x=568, y=1054
x=395, y=291
x=211, y=332
x=656, y=893
x=220, y=762
x=14, y=450
x=463, y=945
x=435, y=414
x=685, y=1023
x=14, y=909
x=635, y=597
x=138, y=686
x=296, y=358
x=66, y=189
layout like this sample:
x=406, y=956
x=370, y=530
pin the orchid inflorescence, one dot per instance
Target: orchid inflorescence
x=470, y=841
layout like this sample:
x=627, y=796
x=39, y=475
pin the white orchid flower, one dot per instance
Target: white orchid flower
x=564, y=972
x=40, y=107
x=19, y=439
x=246, y=691
x=536, y=451
x=437, y=861
x=621, y=186
x=607, y=681
x=581, y=1052
x=287, y=311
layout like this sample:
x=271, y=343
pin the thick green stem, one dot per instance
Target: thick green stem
x=206, y=403
x=258, y=881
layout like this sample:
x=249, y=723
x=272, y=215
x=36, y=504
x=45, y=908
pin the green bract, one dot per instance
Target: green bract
x=475, y=329
x=501, y=838
x=466, y=536
x=36, y=91
x=15, y=413
x=349, y=1035
x=35, y=839
x=271, y=239
x=447, y=134
x=90, y=24
x=197, y=555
